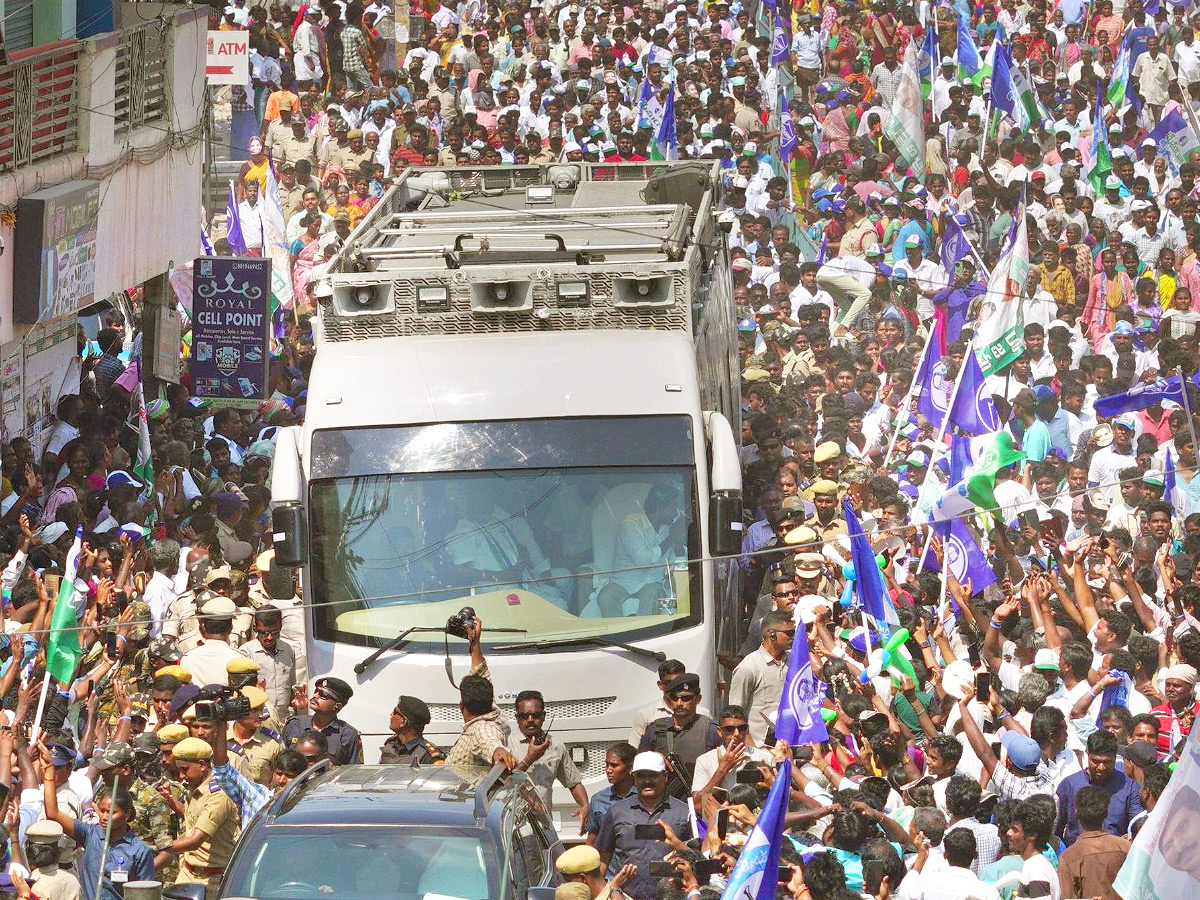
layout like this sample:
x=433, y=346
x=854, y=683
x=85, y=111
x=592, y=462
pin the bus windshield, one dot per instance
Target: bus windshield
x=546, y=551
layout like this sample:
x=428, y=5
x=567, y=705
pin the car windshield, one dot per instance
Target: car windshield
x=549, y=552
x=366, y=863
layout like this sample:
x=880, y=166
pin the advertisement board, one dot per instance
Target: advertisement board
x=231, y=320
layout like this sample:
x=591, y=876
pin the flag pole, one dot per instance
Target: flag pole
x=1187, y=404
x=908, y=396
x=941, y=437
x=41, y=708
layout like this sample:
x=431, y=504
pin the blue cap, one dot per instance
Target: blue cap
x=884, y=270
x=1123, y=328
x=746, y=325
x=1022, y=750
x=1043, y=392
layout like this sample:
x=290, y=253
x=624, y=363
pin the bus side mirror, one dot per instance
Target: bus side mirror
x=290, y=536
x=725, y=523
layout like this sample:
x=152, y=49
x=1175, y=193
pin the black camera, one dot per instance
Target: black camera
x=221, y=705
x=461, y=622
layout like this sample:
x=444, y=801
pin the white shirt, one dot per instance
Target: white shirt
x=159, y=595
x=1038, y=868
x=952, y=883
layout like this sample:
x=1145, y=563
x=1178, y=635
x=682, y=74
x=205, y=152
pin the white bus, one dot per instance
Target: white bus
x=524, y=400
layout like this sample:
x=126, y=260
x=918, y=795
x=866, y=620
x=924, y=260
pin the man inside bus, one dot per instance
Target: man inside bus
x=647, y=542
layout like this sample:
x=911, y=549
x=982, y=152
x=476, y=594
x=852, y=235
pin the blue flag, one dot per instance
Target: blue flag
x=645, y=95
x=869, y=588
x=787, y=131
x=233, y=224
x=780, y=43
x=968, y=53
x=799, y=720
x=753, y=875
x=823, y=253
x=1143, y=396
x=666, y=141
x=963, y=557
x=1004, y=92
x=1169, y=480
x=934, y=399
x=927, y=57
x=960, y=457
x=973, y=409
x=955, y=245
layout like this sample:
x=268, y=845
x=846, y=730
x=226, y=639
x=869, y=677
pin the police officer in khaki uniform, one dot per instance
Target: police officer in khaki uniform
x=41, y=854
x=246, y=672
x=206, y=730
x=250, y=739
x=829, y=460
x=825, y=521
x=169, y=737
x=210, y=820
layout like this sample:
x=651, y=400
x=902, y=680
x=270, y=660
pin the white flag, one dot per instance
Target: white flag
x=906, y=127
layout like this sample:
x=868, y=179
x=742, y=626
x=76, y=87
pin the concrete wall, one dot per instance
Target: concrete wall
x=149, y=212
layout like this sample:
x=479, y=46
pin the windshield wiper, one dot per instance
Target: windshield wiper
x=656, y=655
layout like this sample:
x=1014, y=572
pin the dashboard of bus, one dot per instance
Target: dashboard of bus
x=552, y=529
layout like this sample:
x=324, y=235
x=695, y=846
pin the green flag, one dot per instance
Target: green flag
x=62, y=650
x=1000, y=336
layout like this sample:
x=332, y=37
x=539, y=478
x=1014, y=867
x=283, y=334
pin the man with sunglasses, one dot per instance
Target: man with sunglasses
x=718, y=768
x=757, y=682
x=544, y=756
x=683, y=736
x=330, y=695
x=276, y=659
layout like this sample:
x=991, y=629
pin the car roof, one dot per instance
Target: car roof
x=387, y=795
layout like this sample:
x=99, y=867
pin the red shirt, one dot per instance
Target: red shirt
x=1167, y=722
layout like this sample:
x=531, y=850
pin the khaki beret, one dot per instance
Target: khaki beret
x=801, y=534
x=823, y=486
x=256, y=695
x=827, y=451
x=177, y=670
x=172, y=733
x=242, y=665
x=578, y=860
x=192, y=749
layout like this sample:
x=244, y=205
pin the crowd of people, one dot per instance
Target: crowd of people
x=1050, y=642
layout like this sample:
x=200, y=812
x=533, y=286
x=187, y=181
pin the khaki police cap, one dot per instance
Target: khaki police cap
x=241, y=666
x=46, y=831
x=178, y=671
x=809, y=565
x=256, y=695
x=755, y=374
x=192, y=750
x=800, y=535
x=827, y=451
x=578, y=860
x=172, y=733
x=823, y=486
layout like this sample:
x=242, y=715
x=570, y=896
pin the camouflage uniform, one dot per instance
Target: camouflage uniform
x=134, y=672
x=156, y=823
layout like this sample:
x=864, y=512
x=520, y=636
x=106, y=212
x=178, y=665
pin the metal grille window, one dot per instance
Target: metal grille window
x=141, y=82
x=38, y=107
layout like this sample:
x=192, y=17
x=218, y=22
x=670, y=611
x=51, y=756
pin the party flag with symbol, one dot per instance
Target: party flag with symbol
x=1102, y=165
x=275, y=243
x=63, y=650
x=1169, y=480
x=977, y=490
x=754, y=874
x=973, y=409
x=963, y=557
x=666, y=141
x=1003, y=91
x=780, y=43
x=934, y=399
x=870, y=591
x=799, y=719
x=955, y=245
x=233, y=224
x=969, y=63
x=906, y=127
x=1001, y=336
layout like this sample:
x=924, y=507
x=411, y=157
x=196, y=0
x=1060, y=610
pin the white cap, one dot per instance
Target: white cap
x=649, y=761
x=912, y=241
x=1046, y=659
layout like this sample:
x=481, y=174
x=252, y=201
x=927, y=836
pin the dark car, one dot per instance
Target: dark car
x=396, y=833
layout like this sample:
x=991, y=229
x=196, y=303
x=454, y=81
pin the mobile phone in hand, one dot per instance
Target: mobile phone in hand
x=649, y=833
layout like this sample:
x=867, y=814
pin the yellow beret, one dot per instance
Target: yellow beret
x=192, y=750
x=172, y=733
x=241, y=665
x=177, y=670
x=827, y=451
x=823, y=486
x=256, y=695
x=801, y=534
x=578, y=860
